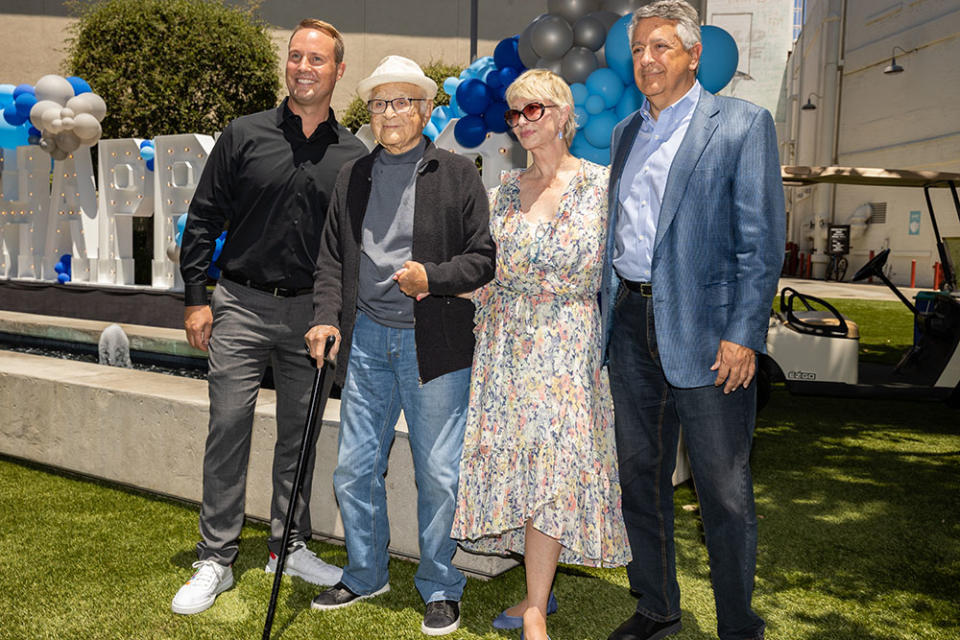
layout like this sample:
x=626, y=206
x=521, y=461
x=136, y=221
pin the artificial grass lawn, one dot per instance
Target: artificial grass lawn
x=886, y=327
x=859, y=539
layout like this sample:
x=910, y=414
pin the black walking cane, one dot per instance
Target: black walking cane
x=322, y=382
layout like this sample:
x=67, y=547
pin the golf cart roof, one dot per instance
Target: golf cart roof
x=800, y=176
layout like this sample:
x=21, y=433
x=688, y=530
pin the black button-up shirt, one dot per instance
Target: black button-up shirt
x=269, y=186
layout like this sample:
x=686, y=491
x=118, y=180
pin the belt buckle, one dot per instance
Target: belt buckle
x=276, y=292
x=646, y=290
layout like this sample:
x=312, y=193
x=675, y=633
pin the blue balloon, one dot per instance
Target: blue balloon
x=63, y=278
x=583, y=149
x=617, y=50
x=431, y=130
x=181, y=224
x=605, y=83
x=594, y=105
x=146, y=143
x=508, y=75
x=580, y=117
x=25, y=102
x=214, y=271
x=470, y=131
x=23, y=88
x=718, y=63
x=580, y=93
x=12, y=117
x=505, y=54
x=492, y=78
x=493, y=117
x=12, y=136
x=473, y=96
x=450, y=85
x=147, y=152
x=67, y=260
x=33, y=131
x=630, y=101
x=6, y=95
x=599, y=128
x=149, y=164
x=79, y=85
x=59, y=268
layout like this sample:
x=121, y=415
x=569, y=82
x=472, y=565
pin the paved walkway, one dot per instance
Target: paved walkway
x=822, y=289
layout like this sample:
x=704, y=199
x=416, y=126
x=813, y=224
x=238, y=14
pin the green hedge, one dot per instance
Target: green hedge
x=172, y=66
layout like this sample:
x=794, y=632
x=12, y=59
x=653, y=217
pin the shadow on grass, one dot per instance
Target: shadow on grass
x=858, y=502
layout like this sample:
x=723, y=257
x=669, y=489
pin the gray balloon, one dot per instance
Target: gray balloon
x=551, y=37
x=578, y=64
x=606, y=18
x=525, y=50
x=572, y=10
x=59, y=154
x=601, y=57
x=590, y=33
x=622, y=7
x=551, y=65
x=67, y=140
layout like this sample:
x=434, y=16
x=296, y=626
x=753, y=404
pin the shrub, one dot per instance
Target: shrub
x=172, y=66
x=356, y=114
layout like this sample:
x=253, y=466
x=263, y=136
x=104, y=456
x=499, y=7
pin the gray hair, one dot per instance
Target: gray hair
x=679, y=11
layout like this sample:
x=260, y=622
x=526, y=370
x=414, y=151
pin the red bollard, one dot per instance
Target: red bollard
x=802, y=265
x=937, y=275
x=810, y=266
x=870, y=279
x=913, y=274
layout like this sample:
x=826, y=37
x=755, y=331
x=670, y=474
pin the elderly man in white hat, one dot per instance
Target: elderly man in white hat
x=407, y=230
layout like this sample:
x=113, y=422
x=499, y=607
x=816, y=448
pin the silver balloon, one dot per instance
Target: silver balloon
x=622, y=7
x=572, y=10
x=55, y=88
x=551, y=37
x=59, y=154
x=98, y=108
x=578, y=64
x=525, y=50
x=601, y=57
x=67, y=140
x=606, y=18
x=551, y=65
x=173, y=252
x=80, y=104
x=589, y=32
x=86, y=127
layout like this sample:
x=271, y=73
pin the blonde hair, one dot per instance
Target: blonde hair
x=543, y=84
x=325, y=27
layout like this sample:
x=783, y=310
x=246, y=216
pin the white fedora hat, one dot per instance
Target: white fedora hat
x=396, y=69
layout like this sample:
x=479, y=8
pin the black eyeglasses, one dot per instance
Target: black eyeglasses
x=531, y=113
x=400, y=105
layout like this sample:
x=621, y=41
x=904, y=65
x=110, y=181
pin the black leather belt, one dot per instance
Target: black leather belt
x=645, y=289
x=278, y=292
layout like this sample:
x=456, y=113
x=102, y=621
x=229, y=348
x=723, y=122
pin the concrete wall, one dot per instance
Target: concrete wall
x=870, y=119
x=147, y=430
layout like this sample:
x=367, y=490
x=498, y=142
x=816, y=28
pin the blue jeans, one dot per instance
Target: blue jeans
x=718, y=431
x=383, y=378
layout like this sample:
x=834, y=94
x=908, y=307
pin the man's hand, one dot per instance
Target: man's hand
x=198, y=322
x=412, y=279
x=735, y=366
x=316, y=339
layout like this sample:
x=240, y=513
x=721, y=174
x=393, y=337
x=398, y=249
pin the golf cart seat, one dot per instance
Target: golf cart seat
x=825, y=321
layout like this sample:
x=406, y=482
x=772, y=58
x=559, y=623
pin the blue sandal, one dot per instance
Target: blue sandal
x=504, y=621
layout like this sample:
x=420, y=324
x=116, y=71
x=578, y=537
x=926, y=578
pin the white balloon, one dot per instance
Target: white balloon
x=86, y=127
x=98, y=108
x=55, y=88
x=79, y=104
x=173, y=252
x=55, y=126
x=41, y=107
x=67, y=141
x=67, y=113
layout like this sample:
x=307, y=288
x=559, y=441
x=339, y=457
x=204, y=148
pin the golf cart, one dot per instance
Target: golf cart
x=814, y=349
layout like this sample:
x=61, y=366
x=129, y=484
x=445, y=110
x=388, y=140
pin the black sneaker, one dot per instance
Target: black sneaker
x=340, y=596
x=442, y=617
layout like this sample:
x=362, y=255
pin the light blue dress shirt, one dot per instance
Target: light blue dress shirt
x=644, y=180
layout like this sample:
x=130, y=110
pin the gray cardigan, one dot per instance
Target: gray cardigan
x=451, y=238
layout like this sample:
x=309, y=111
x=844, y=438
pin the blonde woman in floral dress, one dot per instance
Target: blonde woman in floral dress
x=538, y=474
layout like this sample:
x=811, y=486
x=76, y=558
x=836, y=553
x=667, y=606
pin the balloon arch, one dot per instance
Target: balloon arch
x=585, y=42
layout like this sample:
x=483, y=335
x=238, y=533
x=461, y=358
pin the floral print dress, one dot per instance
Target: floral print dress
x=539, y=438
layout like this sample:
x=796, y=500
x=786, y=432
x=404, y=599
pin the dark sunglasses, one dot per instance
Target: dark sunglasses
x=531, y=113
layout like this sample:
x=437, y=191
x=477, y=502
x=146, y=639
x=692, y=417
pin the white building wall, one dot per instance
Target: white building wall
x=909, y=120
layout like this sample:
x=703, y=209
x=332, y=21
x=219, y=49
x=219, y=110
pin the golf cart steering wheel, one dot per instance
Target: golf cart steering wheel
x=874, y=267
x=788, y=295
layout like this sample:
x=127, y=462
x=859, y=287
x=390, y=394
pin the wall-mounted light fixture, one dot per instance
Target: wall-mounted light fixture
x=809, y=106
x=893, y=67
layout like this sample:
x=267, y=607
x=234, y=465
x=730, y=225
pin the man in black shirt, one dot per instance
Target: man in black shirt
x=267, y=181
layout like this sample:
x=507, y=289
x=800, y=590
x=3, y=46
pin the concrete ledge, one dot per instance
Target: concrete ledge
x=148, y=430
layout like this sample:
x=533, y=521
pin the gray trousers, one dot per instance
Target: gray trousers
x=252, y=328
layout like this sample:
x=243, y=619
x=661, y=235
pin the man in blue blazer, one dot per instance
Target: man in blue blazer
x=694, y=252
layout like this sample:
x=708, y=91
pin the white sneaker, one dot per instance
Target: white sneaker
x=210, y=580
x=303, y=563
